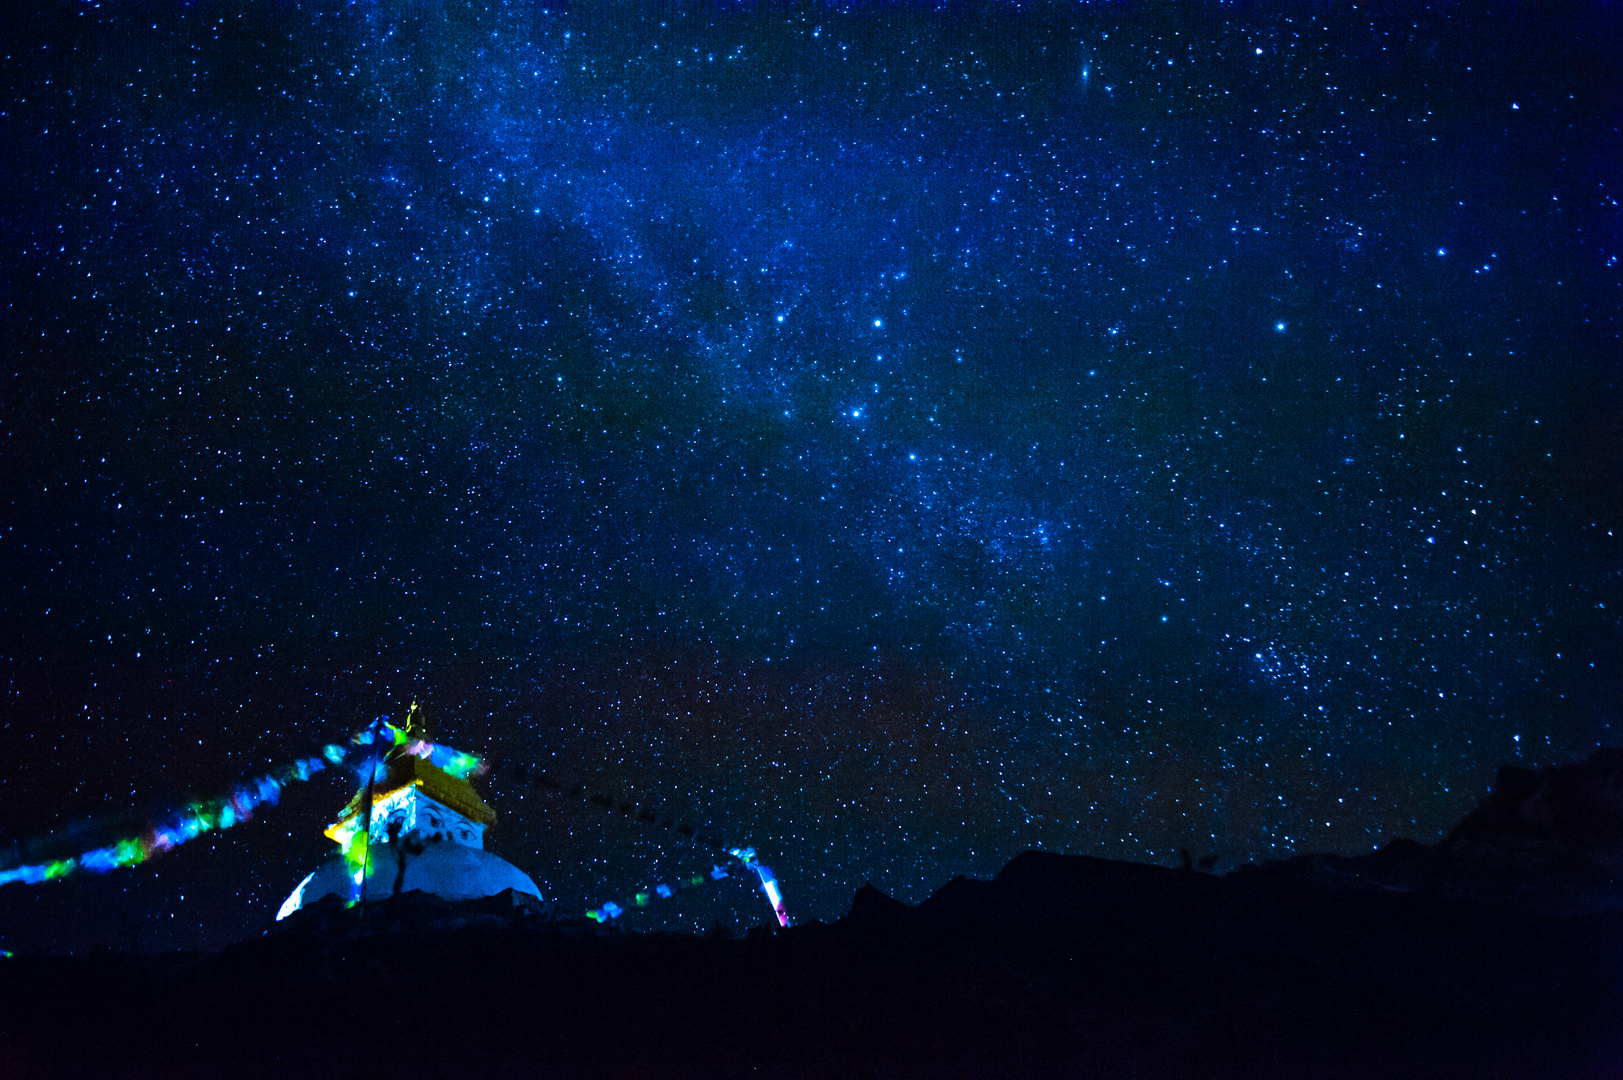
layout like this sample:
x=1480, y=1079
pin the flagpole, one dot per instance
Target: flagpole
x=371, y=780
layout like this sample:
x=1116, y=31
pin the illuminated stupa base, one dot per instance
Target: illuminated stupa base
x=447, y=870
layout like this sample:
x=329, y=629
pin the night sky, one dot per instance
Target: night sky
x=889, y=437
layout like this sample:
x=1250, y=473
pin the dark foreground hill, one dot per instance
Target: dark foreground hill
x=1498, y=953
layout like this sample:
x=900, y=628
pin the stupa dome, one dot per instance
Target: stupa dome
x=448, y=870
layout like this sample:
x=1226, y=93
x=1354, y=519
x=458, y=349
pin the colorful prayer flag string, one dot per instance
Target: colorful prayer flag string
x=648, y=816
x=746, y=856
x=629, y=809
x=643, y=897
x=237, y=806
x=177, y=828
x=769, y=884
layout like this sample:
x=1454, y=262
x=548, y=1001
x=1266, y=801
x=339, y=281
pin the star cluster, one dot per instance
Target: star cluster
x=890, y=438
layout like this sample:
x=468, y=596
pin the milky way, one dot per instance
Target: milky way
x=890, y=439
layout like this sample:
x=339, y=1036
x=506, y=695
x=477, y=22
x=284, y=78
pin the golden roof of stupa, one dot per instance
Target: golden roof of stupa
x=403, y=769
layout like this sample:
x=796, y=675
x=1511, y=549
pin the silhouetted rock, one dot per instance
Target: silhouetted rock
x=1567, y=817
x=869, y=906
x=1549, y=841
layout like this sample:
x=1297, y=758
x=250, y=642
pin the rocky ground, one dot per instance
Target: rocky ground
x=1497, y=953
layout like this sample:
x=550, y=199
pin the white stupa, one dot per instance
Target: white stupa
x=427, y=834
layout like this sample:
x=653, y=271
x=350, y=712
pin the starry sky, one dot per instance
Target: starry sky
x=892, y=437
